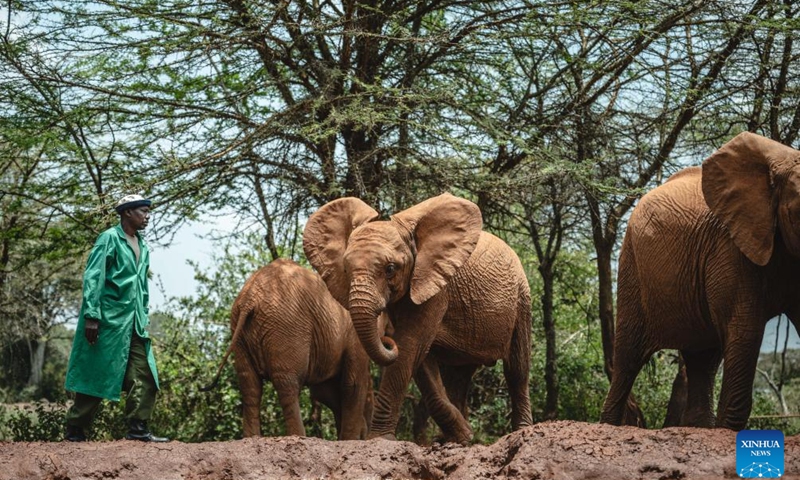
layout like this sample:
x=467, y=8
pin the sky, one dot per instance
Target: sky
x=771, y=333
x=169, y=264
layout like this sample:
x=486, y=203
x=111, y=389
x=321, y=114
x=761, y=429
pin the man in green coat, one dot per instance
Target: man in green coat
x=112, y=351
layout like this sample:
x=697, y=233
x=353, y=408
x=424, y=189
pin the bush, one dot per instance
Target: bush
x=41, y=421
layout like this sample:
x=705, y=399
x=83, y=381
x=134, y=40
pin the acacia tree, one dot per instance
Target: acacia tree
x=269, y=108
x=58, y=168
x=622, y=91
x=39, y=273
x=554, y=91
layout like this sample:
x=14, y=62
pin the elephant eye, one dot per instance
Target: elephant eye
x=391, y=269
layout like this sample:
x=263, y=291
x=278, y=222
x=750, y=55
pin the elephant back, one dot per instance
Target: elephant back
x=494, y=262
x=677, y=204
x=288, y=299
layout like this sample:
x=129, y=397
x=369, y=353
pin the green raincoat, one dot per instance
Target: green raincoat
x=115, y=291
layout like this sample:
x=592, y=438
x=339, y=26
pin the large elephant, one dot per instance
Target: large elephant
x=708, y=258
x=455, y=295
x=290, y=330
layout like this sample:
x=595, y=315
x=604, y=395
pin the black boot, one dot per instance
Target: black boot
x=74, y=434
x=138, y=431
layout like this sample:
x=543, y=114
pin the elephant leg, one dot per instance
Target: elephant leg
x=414, y=334
x=454, y=425
x=739, y=370
x=389, y=400
x=630, y=350
x=251, y=387
x=355, y=386
x=627, y=366
x=288, y=387
x=516, y=370
x=630, y=355
x=419, y=425
x=457, y=380
x=328, y=394
x=701, y=368
x=677, y=398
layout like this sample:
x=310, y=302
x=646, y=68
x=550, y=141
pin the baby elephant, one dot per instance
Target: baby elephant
x=289, y=329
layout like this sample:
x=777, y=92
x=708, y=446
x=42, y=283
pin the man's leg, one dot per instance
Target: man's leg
x=141, y=389
x=80, y=416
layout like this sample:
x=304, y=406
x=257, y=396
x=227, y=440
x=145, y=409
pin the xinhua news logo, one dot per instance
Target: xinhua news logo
x=759, y=453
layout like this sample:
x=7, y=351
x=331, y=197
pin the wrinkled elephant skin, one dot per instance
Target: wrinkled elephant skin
x=707, y=259
x=456, y=296
x=288, y=329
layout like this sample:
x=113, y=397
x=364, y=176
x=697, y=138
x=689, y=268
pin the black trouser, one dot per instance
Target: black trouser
x=139, y=385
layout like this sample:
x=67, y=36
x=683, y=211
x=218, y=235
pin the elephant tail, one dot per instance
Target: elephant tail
x=243, y=314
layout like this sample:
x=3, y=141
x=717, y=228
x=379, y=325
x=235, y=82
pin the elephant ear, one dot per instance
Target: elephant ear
x=446, y=230
x=325, y=240
x=738, y=188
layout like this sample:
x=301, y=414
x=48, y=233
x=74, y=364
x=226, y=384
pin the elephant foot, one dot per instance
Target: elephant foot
x=734, y=425
x=699, y=420
x=442, y=441
x=523, y=424
x=460, y=436
x=385, y=436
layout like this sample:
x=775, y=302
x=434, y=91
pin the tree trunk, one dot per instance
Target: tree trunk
x=606, y=302
x=37, y=350
x=550, y=365
x=269, y=237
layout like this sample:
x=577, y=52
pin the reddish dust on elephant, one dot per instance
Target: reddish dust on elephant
x=550, y=450
x=289, y=330
x=457, y=297
x=707, y=259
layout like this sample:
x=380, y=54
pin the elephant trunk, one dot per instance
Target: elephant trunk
x=381, y=349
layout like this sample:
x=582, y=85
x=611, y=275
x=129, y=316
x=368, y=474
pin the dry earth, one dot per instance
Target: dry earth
x=552, y=450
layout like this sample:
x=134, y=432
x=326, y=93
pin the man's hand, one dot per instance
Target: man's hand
x=91, y=327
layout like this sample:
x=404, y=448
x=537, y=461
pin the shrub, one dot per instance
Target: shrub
x=41, y=421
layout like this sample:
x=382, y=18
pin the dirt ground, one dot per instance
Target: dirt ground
x=552, y=450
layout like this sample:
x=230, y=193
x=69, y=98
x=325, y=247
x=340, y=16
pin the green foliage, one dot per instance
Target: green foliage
x=582, y=382
x=764, y=417
x=201, y=108
x=16, y=359
x=783, y=371
x=489, y=405
x=186, y=361
x=30, y=423
x=55, y=366
x=653, y=387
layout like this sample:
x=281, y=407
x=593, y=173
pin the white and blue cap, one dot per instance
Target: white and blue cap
x=131, y=201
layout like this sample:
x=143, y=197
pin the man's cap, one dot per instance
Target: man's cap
x=131, y=201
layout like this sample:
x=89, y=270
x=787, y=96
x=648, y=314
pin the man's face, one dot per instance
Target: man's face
x=139, y=217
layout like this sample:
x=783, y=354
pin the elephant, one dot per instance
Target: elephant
x=455, y=295
x=707, y=259
x=287, y=328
